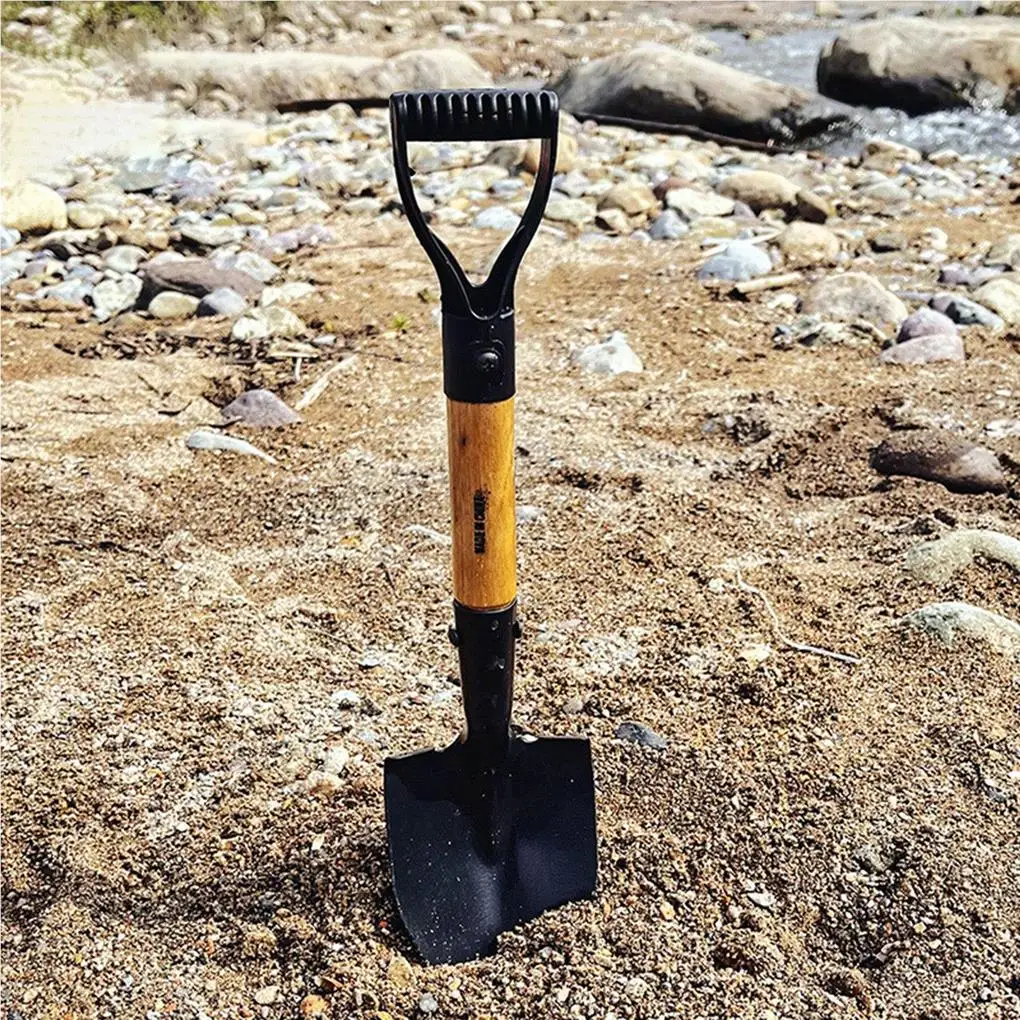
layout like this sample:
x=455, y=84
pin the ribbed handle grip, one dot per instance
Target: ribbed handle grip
x=472, y=115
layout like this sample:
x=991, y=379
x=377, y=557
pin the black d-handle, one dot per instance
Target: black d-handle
x=478, y=319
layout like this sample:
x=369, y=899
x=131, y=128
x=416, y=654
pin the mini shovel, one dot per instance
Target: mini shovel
x=496, y=828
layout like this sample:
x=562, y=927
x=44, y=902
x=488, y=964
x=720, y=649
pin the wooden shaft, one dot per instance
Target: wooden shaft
x=481, y=446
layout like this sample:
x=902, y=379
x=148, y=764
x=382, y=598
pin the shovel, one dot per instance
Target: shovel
x=496, y=828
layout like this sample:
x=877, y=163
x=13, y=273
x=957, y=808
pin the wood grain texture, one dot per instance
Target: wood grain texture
x=481, y=448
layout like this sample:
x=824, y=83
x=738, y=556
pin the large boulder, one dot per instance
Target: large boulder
x=920, y=65
x=657, y=83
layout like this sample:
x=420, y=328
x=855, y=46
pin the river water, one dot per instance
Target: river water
x=791, y=58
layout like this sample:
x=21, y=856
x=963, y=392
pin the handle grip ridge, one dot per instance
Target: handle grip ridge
x=464, y=115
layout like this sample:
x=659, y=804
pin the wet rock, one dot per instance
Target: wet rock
x=113, y=296
x=496, y=217
x=851, y=296
x=638, y=733
x=569, y=210
x=172, y=304
x=808, y=244
x=669, y=225
x=944, y=620
x=655, y=82
x=740, y=261
x=611, y=357
x=925, y=322
x=33, y=208
x=966, y=312
x=923, y=64
x=956, y=463
x=692, y=204
x=633, y=199
x=1002, y=296
x=223, y=301
x=195, y=276
x=760, y=189
x=924, y=349
x=937, y=561
x=260, y=409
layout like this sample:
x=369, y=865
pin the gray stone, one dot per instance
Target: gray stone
x=848, y=297
x=205, y=236
x=496, y=217
x=966, y=312
x=945, y=620
x=428, y=1003
x=669, y=225
x=195, y=276
x=740, y=261
x=69, y=292
x=113, y=296
x=251, y=263
x=259, y=323
x=611, y=357
x=955, y=274
x=692, y=204
x=925, y=349
x=1004, y=253
x=638, y=733
x=146, y=174
x=569, y=210
x=172, y=304
x=9, y=237
x=1002, y=296
x=123, y=258
x=222, y=301
x=260, y=409
x=925, y=322
x=937, y=561
x=936, y=456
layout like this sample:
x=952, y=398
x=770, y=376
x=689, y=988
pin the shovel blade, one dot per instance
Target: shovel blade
x=474, y=853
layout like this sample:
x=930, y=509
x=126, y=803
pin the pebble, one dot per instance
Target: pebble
x=313, y=1007
x=925, y=322
x=399, y=972
x=496, y=217
x=113, y=296
x=203, y=439
x=692, y=204
x=9, y=237
x=261, y=409
x=966, y=312
x=925, y=349
x=633, y=199
x=808, y=244
x=956, y=463
x=563, y=209
x=428, y=1003
x=195, y=276
x=741, y=260
x=68, y=292
x=268, y=995
x=611, y=357
x=760, y=189
x=944, y=620
x=1002, y=296
x=1005, y=254
x=889, y=240
x=260, y=323
x=638, y=733
x=765, y=900
x=172, y=304
x=669, y=225
x=223, y=301
x=250, y=263
x=848, y=297
x=285, y=293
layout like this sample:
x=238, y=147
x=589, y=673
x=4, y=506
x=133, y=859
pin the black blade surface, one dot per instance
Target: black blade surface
x=473, y=854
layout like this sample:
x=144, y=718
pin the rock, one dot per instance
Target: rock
x=85, y=216
x=638, y=733
x=924, y=64
x=223, y=301
x=669, y=225
x=614, y=221
x=808, y=244
x=884, y=154
x=123, y=258
x=944, y=620
x=740, y=261
x=925, y=322
x=956, y=463
x=285, y=293
x=848, y=297
x=611, y=357
x=9, y=237
x=1004, y=253
x=203, y=439
x=765, y=900
x=335, y=760
x=966, y=312
x=633, y=199
x=195, y=276
x=812, y=207
x=313, y=1007
x=69, y=292
x=251, y=263
x=172, y=304
x=658, y=83
x=113, y=296
x=399, y=973
x=569, y=210
x=205, y=236
x=268, y=995
x=260, y=323
x=428, y=1004
x=259, y=408
x=924, y=349
x=496, y=217
x=693, y=204
x=760, y=189
x=1002, y=296
x=33, y=208
x=889, y=240
x=566, y=153
x=937, y=561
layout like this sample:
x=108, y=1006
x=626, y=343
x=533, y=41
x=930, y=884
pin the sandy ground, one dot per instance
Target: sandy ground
x=179, y=627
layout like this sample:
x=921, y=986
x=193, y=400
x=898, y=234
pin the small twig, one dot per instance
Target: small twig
x=742, y=585
x=746, y=287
